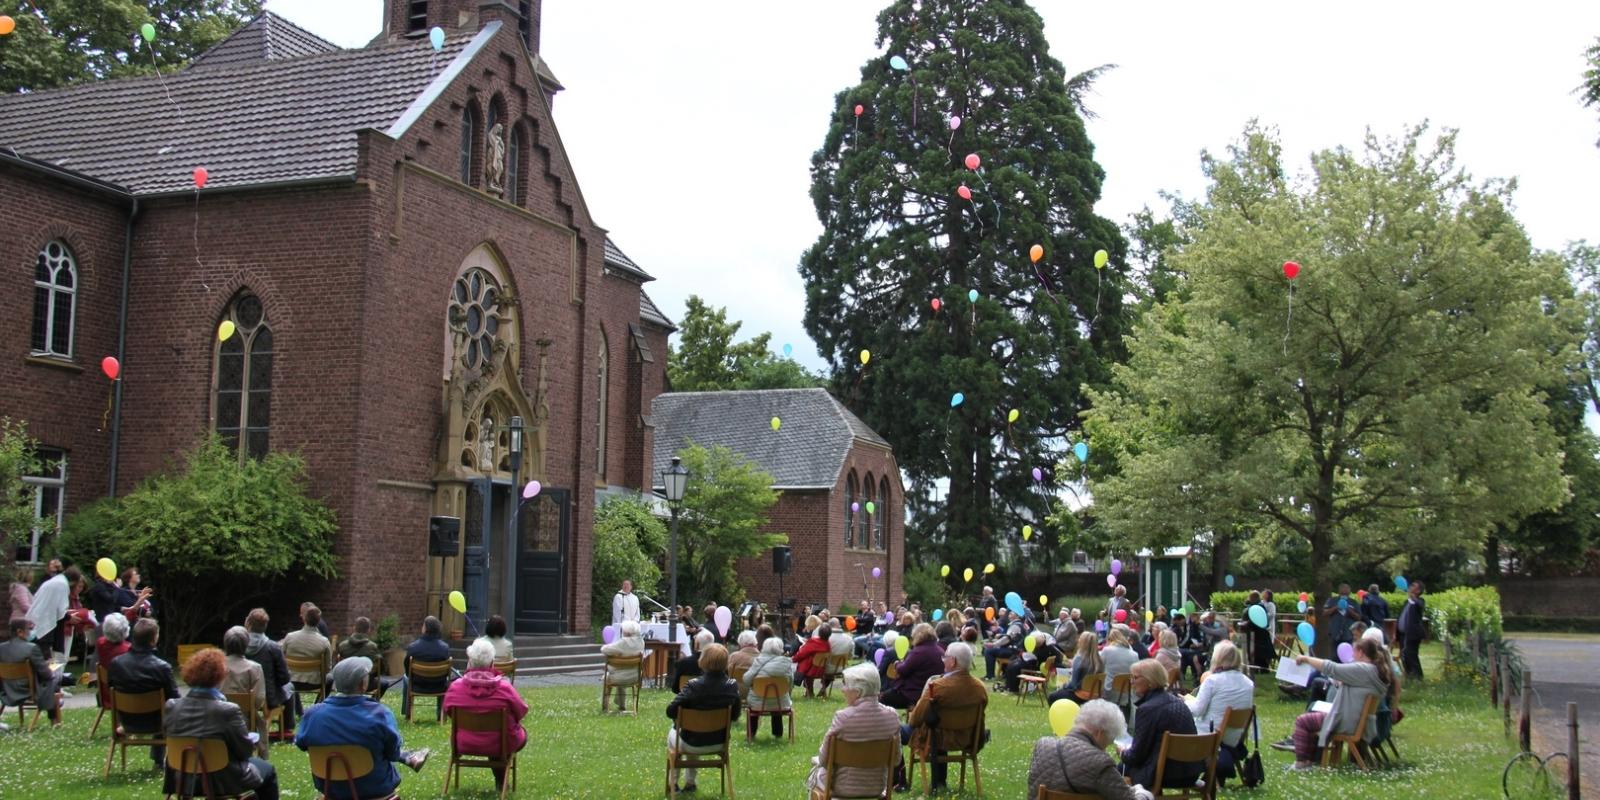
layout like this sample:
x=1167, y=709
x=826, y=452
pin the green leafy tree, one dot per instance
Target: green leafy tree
x=725, y=507
x=60, y=42
x=1395, y=413
x=629, y=543
x=18, y=458
x=898, y=234
x=1590, y=90
x=708, y=359
x=219, y=535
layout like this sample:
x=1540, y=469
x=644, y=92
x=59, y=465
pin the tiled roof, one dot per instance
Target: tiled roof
x=270, y=122
x=616, y=259
x=649, y=312
x=806, y=452
x=268, y=37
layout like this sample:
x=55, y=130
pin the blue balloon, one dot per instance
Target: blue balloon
x=436, y=37
x=1258, y=616
x=972, y=295
x=788, y=350
x=1401, y=583
x=1014, y=602
x=1302, y=606
x=1344, y=605
x=938, y=614
x=957, y=399
x=1307, y=634
x=899, y=63
x=1228, y=580
x=1081, y=450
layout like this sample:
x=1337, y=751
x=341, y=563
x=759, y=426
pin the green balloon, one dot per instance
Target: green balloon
x=148, y=31
x=872, y=508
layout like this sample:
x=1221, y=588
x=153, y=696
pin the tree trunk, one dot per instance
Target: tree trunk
x=1221, y=556
x=1321, y=586
x=1491, y=560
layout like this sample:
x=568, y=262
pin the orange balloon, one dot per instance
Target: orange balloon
x=849, y=623
x=7, y=25
x=1036, y=252
x=988, y=613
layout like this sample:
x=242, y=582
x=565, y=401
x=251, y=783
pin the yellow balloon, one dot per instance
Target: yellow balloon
x=988, y=568
x=901, y=645
x=776, y=423
x=944, y=571
x=1100, y=259
x=866, y=355
x=1062, y=714
x=1149, y=616
x=1028, y=644
x=966, y=574
x=458, y=601
x=225, y=330
x=106, y=569
x=1012, y=417
x=1027, y=532
x=1044, y=600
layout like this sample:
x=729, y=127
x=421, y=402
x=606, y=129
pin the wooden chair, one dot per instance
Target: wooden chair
x=316, y=665
x=152, y=702
x=427, y=670
x=613, y=663
x=507, y=669
x=1095, y=684
x=1037, y=683
x=1175, y=680
x=832, y=667
x=868, y=754
x=1188, y=748
x=1357, y=740
x=187, y=650
x=344, y=762
x=102, y=695
x=1000, y=664
x=24, y=671
x=771, y=691
x=1051, y=794
x=253, y=721
x=702, y=721
x=1236, y=719
x=489, y=722
x=959, y=734
x=1122, y=687
x=199, y=758
x=682, y=681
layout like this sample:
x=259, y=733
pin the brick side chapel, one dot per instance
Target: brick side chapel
x=402, y=247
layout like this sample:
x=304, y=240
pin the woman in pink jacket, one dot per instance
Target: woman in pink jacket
x=482, y=689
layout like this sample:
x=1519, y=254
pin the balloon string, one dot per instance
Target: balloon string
x=997, y=209
x=1099, y=284
x=105, y=419
x=198, y=264
x=1288, y=321
x=163, y=81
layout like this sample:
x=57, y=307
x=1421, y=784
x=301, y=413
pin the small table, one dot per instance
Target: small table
x=658, y=662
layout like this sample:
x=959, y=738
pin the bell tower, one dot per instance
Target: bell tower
x=414, y=18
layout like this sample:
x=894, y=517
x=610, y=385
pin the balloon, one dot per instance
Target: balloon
x=788, y=350
x=877, y=572
x=973, y=162
x=1149, y=616
x=944, y=571
x=531, y=490
x=938, y=614
x=1014, y=602
x=1081, y=450
x=1100, y=626
x=1116, y=566
x=859, y=109
x=776, y=423
x=899, y=63
x=1121, y=615
x=458, y=601
x=723, y=616
x=226, y=330
x=1028, y=643
x=106, y=569
x=936, y=303
x=1189, y=606
x=878, y=656
x=957, y=399
x=1062, y=714
x=201, y=175
x=1227, y=580
x=872, y=508
x=1258, y=616
x=1012, y=417
x=1302, y=606
x=1038, y=474
x=1401, y=583
x=901, y=645
x=1100, y=259
x=972, y=295
x=855, y=508
x=850, y=623
x=966, y=575
x=1344, y=605
x=1044, y=602
x=1111, y=580
x=436, y=38
x=1291, y=270
x=608, y=634
x=1307, y=634
x=866, y=355
x=7, y=25
x=988, y=569
x=147, y=32
x=966, y=194
x=1304, y=597
x=1362, y=594
x=955, y=122
x=988, y=613
x=1027, y=532
x=1345, y=652
x=1036, y=252
x=111, y=367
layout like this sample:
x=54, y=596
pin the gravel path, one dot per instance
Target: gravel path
x=1565, y=669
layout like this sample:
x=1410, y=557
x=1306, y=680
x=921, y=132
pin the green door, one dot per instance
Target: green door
x=1166, y=583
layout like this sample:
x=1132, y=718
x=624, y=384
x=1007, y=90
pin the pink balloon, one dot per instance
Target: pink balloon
x=860, y=109
x=1346, y=653
x=877, y=573
x=531, y=490
x=973, y=161
x=955, y=122
x=936, y=304
x=201, y=175
x=1038, y=474
x=1111, y=580
x=966, y=194
x=724, y=619
x=1121, y=615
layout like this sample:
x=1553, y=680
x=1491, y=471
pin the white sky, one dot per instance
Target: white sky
x=691, y=125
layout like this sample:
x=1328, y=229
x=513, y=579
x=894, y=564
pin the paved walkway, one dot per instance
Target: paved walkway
x=1564, y=669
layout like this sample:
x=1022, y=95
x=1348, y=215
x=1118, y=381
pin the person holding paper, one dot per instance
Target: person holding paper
x=1368, y=675
x=18, y=650
x=1224, y=687
x=1078, y=762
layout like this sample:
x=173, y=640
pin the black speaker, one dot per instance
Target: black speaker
x=444, y=536
x=781, y=562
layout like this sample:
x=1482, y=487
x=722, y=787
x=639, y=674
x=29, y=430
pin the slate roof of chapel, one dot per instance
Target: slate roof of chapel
x=807, y=451
x=268, y=37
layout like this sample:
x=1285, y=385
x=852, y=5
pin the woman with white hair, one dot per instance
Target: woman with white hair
x=113, y=642
x=689, y=665
x=483, y=689
x=863, y=719
x=1078, y=762
x=771, y=663
x=740, y=660
x=1224, y=687
x=628, y=644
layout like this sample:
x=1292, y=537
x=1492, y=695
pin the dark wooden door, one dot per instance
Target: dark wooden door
x=544, y=531
x=477, y=531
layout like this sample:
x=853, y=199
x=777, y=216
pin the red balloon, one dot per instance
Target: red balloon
x=966, y=194
x=1291, y=270
x=860, y=109
x=1121, y=615
x=201, y=175
x=936, y=304
x=973, y=161
x=111, y=367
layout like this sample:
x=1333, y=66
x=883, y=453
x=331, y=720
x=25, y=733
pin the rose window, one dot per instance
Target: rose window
x=474, y=311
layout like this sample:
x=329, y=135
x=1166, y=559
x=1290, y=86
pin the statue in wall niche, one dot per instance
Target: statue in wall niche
x=486, y=445
x=496, y=167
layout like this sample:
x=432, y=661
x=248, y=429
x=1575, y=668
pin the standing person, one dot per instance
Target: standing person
x=1272, y=612
x=1118, y=602
x=103, y=602
x=1340, y=612
x=18, y=650
x=204, y=713
x=1410, y=628
x=50, y=607
x=1260, y=637
x=624, y=605
x=141, y=670
x=351, y=717
x=132, y=600
x=21, y=597
x=988, y=600
x=1375, y=610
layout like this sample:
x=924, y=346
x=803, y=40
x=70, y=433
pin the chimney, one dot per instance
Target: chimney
x=413, y=18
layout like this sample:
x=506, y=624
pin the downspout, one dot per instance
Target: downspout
x=122, y=348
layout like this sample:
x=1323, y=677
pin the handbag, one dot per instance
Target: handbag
x=1251, y=773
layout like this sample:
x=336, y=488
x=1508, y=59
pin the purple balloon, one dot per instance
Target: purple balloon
x=1111, y=580
x=877, y=573
x=878, y=656
x=531, y=490
x=1346, y=653
x=608, y=634
x=855, y=508
x=1038, y=474
x=1116, y=566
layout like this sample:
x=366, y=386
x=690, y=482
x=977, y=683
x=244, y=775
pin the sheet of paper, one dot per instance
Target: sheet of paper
x=1124, y=742
x=1290, y=672
x=1322, y=706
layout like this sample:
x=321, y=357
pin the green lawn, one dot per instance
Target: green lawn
x=1450, y=742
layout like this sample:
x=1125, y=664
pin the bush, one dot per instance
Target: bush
x=386, y=635
x=87, y=534
x=1454, y=613
x=18, y=457
x=627, y=541
x=923, y=585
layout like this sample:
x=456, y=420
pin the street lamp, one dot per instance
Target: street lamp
x=508, y=561
x=675, y=478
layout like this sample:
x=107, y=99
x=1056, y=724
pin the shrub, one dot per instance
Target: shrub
x=627, y=541
x=1454, y=613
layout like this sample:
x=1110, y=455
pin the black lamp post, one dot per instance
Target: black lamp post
x=675, y=478
x=508, y=561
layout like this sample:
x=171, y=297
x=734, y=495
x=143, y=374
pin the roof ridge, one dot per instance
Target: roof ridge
x=750, y=391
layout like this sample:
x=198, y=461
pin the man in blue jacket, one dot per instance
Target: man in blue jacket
x=350, y=717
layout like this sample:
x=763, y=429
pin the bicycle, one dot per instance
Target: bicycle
x=1529, y=777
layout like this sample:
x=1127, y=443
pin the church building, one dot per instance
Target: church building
x=408, y=265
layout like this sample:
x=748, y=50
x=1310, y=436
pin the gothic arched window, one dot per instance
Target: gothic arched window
x=850, y=489
x=469, y=133
x=869, y=490
x=879, y=539
x=514, y=166
x=475, y=315
x=602, y=405
x=55, y=300
x=243, y=396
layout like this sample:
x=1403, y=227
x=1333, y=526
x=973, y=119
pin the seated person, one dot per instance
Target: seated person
x=243, y=676
x=628, y=644
x=863, y=719
x=944, y=632
x=804, y=658
x=955, y=688
x=274, y=672
x=1006, y=645
x=923, y=661
x=495, y=631
x=308, y=644
x=1043, y=648
x=1066, y=630
x=1191, y=643
x=483, y=689
x=47, y=681
x=1086, y=661
x=429, y=648
x=113, y=642
x=1135, y=643
x=1224, y=687
x=770, y=663
x=1078, y=762
x=1119, y=659
x=351, y=717
x=1368, y=675
x=839, y=644
x=140, y=670
x=689, y=665
x=359, y=643
x=204, y=714
x=1157, y=713
x=740, y=660
x=711, y=690
x=1167, y=651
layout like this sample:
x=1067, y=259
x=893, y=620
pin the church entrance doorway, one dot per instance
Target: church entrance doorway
x=542, y=546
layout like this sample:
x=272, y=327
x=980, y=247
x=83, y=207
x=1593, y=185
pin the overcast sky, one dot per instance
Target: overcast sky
x=691, y=125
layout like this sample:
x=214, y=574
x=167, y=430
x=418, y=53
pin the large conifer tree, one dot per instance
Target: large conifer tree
x=898, y=234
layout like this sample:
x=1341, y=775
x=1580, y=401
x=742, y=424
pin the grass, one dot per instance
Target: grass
x=1451, y=746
